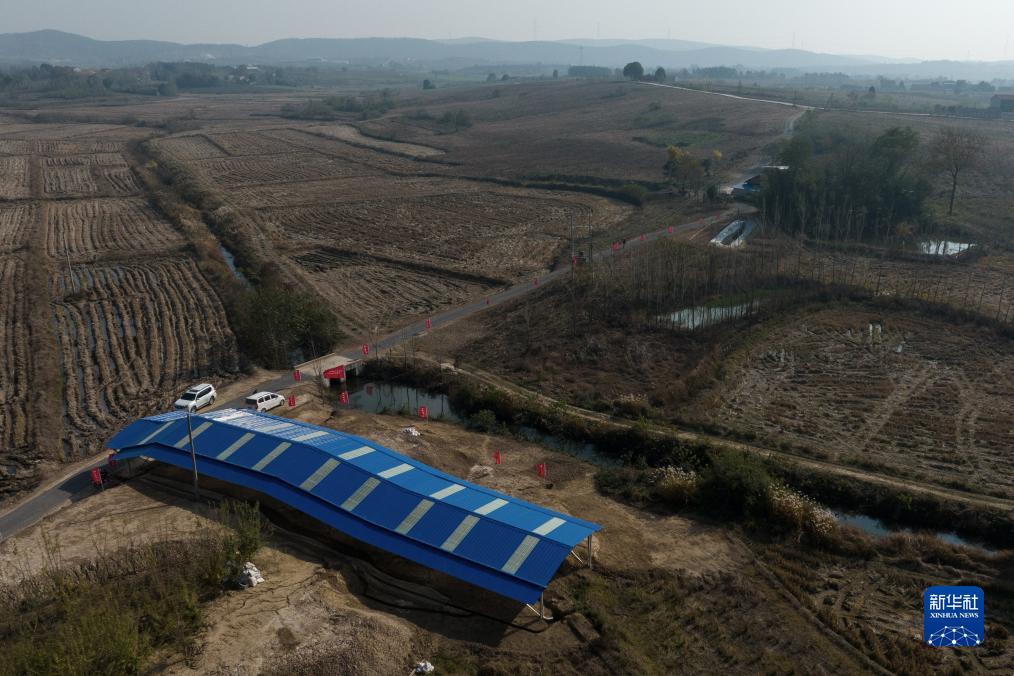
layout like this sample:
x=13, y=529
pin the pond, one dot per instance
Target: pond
x=375, y=397
x=943, y=247
x=692, y=318
x=879, y=529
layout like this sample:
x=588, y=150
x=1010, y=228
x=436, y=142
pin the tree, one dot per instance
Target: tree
x=556, y=74
x=428, y=85
x=491, y=77
x=660, y=74
x=505, y=77
x=633, y=70
x=953, y=152
x=683, y=169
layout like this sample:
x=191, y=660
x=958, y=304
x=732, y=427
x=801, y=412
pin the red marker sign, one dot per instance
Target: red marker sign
x=366, y=349
x=344, y=397
x=423, y=412
x=427, y=324
x=541, y=469
x=336, y=373
x=96, y=477
x=292, y=400
x=670, y=229
x=297, y=376
x=496, y=457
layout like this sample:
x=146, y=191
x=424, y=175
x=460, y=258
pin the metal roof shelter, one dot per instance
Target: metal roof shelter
x=371, y=493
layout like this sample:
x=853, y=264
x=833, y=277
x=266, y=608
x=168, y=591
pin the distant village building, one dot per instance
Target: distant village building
x=1003, y=102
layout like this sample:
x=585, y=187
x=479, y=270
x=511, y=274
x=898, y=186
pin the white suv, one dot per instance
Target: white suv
x=264, y=401
x=197, y=397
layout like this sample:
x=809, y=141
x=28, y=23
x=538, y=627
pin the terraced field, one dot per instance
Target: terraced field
x=86, y=228
x=131, y=335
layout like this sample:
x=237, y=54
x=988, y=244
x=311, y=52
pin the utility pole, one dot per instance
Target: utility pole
x=193, y=454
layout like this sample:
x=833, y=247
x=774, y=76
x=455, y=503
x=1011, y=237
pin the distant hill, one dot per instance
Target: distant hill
x=60, y=48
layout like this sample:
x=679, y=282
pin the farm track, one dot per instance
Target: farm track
x=698, y=437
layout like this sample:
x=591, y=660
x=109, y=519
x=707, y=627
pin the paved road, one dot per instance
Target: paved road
x=72, y=487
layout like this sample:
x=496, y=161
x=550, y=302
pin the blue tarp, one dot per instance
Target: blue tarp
x=371, y=493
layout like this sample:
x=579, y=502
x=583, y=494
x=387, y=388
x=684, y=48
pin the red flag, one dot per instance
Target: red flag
x=292, y=400
x=670, y=229
x=297, y=376
x=496, y=457
x=427, y=324
x=541, y=468
x=344, y=397
x=366, y=349
x=423, y=413
x=642, y=236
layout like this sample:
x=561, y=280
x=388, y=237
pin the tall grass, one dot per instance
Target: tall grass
x=109, y=615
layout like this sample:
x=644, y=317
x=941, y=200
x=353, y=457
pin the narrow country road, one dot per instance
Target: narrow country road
x=75, y=484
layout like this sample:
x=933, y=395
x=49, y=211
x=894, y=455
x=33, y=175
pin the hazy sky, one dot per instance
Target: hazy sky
x=928, y=29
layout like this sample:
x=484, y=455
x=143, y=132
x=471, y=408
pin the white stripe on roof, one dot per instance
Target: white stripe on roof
x=520, y=555
x=353, y=500
x=549, y=526
x=463, y=529
x=491, y=506
x=197, y=432
x=155, y=433
x=356, y=453
x=310, y=435
x=274, y=428
x=413, y=517
x=236, y=445
x=447, y=492
x=395, y=471
x=318, y=476
x=278, y=450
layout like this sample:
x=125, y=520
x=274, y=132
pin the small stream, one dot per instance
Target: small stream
x=230, y=260
x=879, y=529
x=393, y=399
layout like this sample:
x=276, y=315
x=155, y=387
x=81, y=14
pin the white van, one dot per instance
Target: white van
x=264, y=401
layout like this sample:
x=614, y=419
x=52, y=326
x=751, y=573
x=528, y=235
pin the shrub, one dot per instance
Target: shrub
x=736, y=482
x=674, y=486
x=485, y=421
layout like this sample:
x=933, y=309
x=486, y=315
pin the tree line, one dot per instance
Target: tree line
x=839, y=184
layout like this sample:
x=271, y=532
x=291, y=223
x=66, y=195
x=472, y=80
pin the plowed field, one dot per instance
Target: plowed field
x=15, y=221
x=15, y=423
x=80, y=228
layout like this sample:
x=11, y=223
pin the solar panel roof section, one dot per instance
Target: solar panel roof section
x=418, y=511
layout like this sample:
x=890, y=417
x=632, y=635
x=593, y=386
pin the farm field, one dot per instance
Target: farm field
x=121, y=318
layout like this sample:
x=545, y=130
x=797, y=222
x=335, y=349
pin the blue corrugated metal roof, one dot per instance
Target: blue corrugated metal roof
x=372, y=493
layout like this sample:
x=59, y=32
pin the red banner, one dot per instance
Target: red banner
x=541, y=469
x=427, y=324
x=292, y=400
x=366, y=349
x=423, y=412
x=670, y=229
x=344, y=397
x=642, y=236
x=297, y=376
x=96, y=477
x=496, y=457
x=336, y=373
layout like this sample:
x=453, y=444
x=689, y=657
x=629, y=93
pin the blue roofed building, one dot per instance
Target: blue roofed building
x=370, y=493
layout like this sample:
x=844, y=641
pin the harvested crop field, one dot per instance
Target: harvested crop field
x=78, y=228
x=15, y=222
x=88, y=175
x=15, y=363
x=14, y=178
x=925, y=398
x=131, y=335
